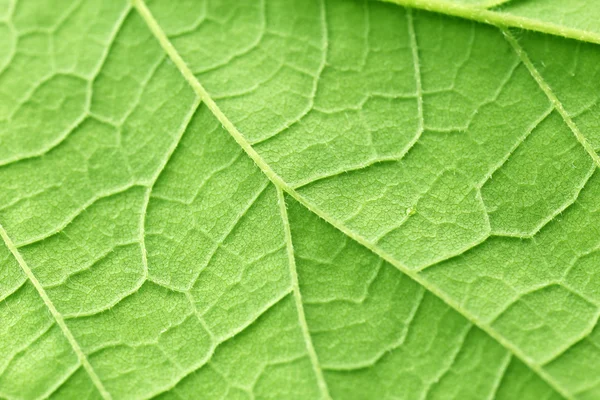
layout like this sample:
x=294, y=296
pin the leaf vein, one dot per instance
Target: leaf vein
x=314, y=359
x=56, y=315
x=551, y=96
x=499, y=19
x=281, y=184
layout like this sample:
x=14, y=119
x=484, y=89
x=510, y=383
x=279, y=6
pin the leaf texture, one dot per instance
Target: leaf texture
x=335, y=199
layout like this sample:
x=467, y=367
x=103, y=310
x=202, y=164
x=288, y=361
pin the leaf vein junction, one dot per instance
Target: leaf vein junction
x=284, y=186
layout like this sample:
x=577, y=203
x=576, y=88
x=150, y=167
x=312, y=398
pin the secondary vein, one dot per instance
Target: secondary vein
x=557, y=104
x=298, y=297
x=56, y=315
x=418, y=85
x=281, y=185
x=551, y=96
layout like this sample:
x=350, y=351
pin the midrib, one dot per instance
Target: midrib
x=282, y=185
x=499, y=18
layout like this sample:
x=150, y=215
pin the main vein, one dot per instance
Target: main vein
x=57, y=316
x=498, y=18
x=283, y=186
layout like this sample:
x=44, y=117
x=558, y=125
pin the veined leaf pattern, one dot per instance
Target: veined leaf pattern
x=336, y=199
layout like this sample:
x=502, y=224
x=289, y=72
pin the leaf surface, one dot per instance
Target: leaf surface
x=294, y=199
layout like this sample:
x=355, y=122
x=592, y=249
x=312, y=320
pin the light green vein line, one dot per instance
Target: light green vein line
x=298, y=297
x=498, y=18
x=280, y=183
x=57, y=316
x=501, y=374
x=417, y=72
x=551, y=96
x=142, y=227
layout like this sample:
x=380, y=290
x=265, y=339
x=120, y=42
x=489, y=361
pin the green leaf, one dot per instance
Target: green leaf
x=297, y=199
